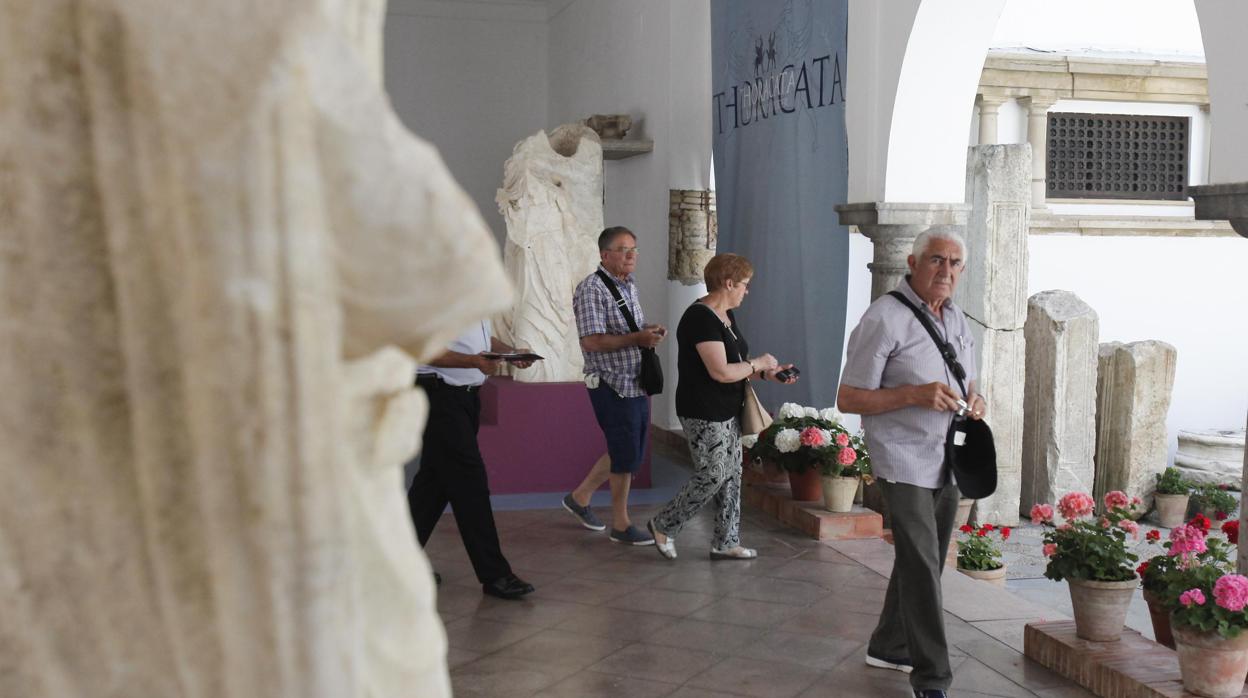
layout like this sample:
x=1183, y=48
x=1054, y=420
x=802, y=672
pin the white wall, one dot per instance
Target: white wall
x=650, y=59
x=470, y=77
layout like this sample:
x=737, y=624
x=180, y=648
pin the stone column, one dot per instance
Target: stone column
x=1038, y=138
x=693, y=231
x=1059, y=397
x=892, y=228
x=1133, y=384
x=993, y=294
x=989, y=109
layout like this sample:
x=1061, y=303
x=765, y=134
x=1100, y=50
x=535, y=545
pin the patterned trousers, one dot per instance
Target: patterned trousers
x=716, y=451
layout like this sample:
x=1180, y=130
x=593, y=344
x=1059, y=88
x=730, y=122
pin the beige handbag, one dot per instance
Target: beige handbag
x=754, y=419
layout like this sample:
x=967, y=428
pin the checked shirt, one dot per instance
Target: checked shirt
x=596, y=313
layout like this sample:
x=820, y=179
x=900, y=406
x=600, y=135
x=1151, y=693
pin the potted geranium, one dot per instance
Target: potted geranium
x=1215, y=501
x=1159, y=572
x=1171, y=497
x=979, y=554
x=801, y=441
x=1090, y=553
x=1210, y=613
x=846, y=465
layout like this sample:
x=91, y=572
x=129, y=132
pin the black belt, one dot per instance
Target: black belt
x=433, y=380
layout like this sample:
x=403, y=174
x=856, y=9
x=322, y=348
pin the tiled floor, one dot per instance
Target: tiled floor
x=609, y=620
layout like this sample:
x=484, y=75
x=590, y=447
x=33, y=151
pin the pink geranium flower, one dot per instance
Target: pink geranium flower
x=1050, y=549
x=811, y=436
x=1117, y=500
x=1187, y=539
x=1075, y=505
x=847, y=456
x=1231, y=592
x=1041, y=513
x=842, y=439
x=1192, y=596
x=1130, y=527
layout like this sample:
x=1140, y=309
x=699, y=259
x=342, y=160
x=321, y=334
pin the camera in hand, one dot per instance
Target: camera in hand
x=963, y=408
x=786, y=374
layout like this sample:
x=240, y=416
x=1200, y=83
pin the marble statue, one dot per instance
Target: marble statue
x=552, y=202
x=215, y=238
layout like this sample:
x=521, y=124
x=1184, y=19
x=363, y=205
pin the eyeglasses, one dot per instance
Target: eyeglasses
x=937, y=261
x=626, y=251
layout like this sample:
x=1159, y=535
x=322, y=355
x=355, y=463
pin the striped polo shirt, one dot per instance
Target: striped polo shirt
x=888, y=349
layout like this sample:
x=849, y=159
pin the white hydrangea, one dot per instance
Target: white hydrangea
x=749, y=440
x=791, y=410
x=788, y=441
x=832, y=415
x=827, y=438
x=810, y=412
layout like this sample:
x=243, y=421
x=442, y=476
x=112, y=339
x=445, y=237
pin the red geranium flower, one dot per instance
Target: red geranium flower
x=1202, y=522
x=1142, y=568
x=1005, y=533
x=1231, y=529
x=1153, y=535
x=1219, y=515
x=989, y=527
x=965, y=528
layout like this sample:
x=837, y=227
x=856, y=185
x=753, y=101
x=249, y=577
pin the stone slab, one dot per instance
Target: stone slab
x=1211, y=456
x=809, y=517
x=1133, y=667
x=1133, y=387
x=1059, y=402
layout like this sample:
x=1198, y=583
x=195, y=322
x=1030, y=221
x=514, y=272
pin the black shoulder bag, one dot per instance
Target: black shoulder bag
x=969, y=447
x=651, y=376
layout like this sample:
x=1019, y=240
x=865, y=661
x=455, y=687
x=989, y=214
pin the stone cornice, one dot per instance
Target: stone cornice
x=1061, y=76
x=1127, y=226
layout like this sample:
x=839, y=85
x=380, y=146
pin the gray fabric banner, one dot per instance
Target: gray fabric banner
x=781, y=164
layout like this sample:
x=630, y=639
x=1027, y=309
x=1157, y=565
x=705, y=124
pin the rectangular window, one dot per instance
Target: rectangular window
x=1117, y=156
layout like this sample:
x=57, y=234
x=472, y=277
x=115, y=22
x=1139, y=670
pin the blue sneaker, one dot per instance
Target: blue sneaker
x=631, y=536
x=930, y=693
x=583, y=514
x=894, y=663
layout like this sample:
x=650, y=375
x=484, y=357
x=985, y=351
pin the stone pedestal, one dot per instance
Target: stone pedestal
x=1212, y=456
x=1059, y=404
x=1133, y=387
x=993, y=293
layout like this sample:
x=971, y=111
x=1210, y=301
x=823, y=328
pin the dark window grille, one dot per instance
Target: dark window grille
x=1117, y=156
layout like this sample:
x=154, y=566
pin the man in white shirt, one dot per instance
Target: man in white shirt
x=451, y=468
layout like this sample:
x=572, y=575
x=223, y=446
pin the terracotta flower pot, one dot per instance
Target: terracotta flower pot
x=1100, y=607
x=838, y=493
x=994, y=577
x=806, y=485
x=1211, y=665
x=1161, y=619
x=1171, y=509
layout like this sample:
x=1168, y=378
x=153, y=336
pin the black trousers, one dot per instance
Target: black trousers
x=453, y=472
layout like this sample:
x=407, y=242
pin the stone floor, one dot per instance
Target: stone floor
x=609, y=620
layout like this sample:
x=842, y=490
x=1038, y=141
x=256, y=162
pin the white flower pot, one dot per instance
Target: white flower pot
x=838, y=493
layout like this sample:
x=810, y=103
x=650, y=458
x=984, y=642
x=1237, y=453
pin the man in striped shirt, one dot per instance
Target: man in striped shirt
x=612, y=367
x=896, y=378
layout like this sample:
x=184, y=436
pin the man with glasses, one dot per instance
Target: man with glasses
x=612, y=367
x=896, y=378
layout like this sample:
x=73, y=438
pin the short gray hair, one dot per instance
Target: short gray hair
x=938, y=232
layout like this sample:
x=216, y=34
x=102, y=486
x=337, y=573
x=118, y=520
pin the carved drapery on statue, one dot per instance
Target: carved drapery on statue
x=552, y=202
x=214, y=232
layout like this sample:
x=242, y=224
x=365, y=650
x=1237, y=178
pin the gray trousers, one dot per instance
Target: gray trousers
x=912, y=624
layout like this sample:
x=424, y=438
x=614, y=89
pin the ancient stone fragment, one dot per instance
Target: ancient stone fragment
x=693, y=230
x=1133, y=387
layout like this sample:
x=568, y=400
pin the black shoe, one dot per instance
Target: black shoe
x=930, y=693
x=437, y=579
x=510, y=587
